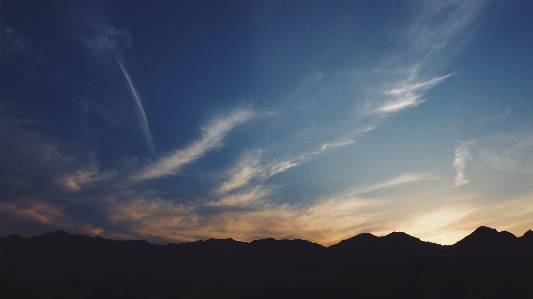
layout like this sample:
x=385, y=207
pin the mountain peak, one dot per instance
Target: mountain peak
x=56, y=234
x=484, y=230
x=399, y=235
x=528, y=234
x=488, y=241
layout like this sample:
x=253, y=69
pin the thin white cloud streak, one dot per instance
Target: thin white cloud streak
x=242, y=199
x=327, y=146
x=212, y=137
x=249, y=168
x=397, y=181
x=462, y=155
x=434, y=34
x=408, y=95
x=140, y=108
x=284, y=165
x=106, y=42
x=246, y=169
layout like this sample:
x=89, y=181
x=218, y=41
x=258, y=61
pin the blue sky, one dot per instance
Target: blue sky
x=177, y=121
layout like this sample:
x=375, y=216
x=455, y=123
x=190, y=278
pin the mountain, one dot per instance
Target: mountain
x=396, y=265
x=392, y=247
x=486, y=241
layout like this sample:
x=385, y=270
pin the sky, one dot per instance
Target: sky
x=175, y=121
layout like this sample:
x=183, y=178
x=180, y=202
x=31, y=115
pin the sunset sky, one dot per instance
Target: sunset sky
x=175, y=121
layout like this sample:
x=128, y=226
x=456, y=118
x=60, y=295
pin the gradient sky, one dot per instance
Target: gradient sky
x=174, y=121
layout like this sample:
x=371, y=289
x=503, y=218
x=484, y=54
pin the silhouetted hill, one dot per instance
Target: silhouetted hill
x=488, y=242
x=484, y=264
x=527, y=237
x=395, y=246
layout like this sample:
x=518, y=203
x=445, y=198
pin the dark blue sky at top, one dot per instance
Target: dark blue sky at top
x=265, y=118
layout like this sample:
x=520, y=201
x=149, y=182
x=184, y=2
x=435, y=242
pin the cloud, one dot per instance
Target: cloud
x=326, y=221
x=35, y=216
x=510, y=153
x=397, y=181
x=140, y=108
x=434, y=34
x=407, y=95
x=461, y=214
x=106, y=44
x=246, y=169
x=280, y=166
x=243, y=198
x=38, y=165
x=327, y=146
x=249, y=168
x=439, y=23
x=74, y=181
x=101, y=39
x=462, y=155
x=500, y=116
x=212, y=137
x=514, y=214
x=31, y=210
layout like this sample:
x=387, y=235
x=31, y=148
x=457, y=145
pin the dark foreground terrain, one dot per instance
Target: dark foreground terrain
x=485, y=264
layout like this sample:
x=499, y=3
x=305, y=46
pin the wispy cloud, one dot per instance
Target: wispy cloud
x=407, y=95
x=100, y=38
x=500, y=116
x=246, y=169
x=439, y=23
x=249, y=167
x=397, y=181
x=438, y=30
x=243, y=198
x=74, y=181
x=35, y=216
x=462, y=155
x=326, y=221
x=212, y=137
x=510, y=153
x=140, y=108
x=283, y=165
x=106, y=44
x=327, y=146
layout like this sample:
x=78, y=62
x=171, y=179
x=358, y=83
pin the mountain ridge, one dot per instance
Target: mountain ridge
x=480, y=230
x=363, y=265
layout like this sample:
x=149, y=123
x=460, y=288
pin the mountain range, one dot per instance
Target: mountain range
x=484, y=264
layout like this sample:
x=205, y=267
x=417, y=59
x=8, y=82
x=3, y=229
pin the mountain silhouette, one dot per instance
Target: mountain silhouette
x=394, y=246
x=486, y=241
x=484, y=264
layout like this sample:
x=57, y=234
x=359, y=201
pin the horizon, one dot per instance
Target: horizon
x=248, y=242
x=174, y=121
